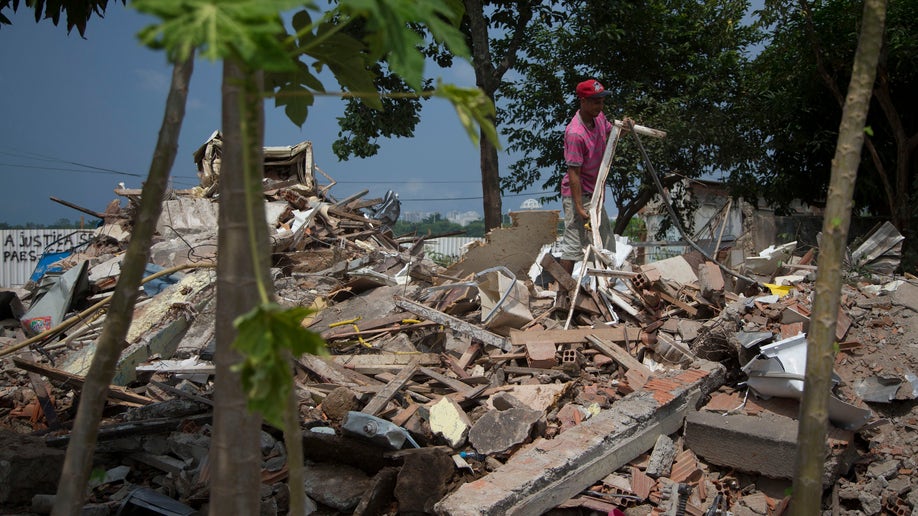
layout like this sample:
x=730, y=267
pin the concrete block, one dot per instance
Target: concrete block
x=499, y=431
x=423, y=480
x=711, y=278
x=337, y=486
x=766, y=444
x=906, y=295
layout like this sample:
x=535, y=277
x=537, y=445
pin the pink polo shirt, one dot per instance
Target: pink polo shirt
x=584, y=148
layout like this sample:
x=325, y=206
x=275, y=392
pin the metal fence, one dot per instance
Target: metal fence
x=448, y=249
x=22, y=250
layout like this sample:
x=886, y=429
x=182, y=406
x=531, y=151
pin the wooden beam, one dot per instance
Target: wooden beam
x=382, y=397
x=554, y=268
x=371, y=365
x=333, y=373
x=44, y=400
x=486, y=337
x=689, y=309
x=470, y=354
x=615, y=352
x=76, y=381
x=452, y=383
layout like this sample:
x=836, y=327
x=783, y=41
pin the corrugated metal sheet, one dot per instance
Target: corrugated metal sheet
x=21, y=249
x=450, y=248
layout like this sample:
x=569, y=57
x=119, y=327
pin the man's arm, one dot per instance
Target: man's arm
x=573, y=179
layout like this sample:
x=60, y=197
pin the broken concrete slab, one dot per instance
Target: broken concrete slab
x=191, y=248
x=906, y=295
x=514, y=247
x=335, y=485
x=676, y=269
x=541, y=397
x=184, y=215
x=201, y=338
x=157, y=326
x=661, y=459
x=500, y=431
x=547, y=472
x=369, y=305
x=27, y=468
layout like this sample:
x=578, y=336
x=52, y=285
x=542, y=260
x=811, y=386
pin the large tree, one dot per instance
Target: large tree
x=795, y=93
x=671, y=64
x=495, y=30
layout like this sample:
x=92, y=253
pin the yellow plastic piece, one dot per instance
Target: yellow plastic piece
x=779, y=290
x=344, y=323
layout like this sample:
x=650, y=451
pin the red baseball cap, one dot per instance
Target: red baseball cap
x=591, y=89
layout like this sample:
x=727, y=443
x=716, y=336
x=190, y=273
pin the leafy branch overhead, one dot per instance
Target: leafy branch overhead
x=253, y=32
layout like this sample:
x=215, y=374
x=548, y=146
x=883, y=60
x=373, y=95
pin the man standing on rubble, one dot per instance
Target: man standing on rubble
x=584, y=143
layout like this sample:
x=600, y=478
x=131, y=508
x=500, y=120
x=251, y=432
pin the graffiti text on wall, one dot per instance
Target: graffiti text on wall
x=29, y=245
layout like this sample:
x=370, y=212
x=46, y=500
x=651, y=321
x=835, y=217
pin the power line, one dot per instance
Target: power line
x=91, y=169
x=87, y=169
x=405, y=181
x=524, y=194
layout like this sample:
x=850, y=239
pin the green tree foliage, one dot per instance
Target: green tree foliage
x=796, y=90
x=673, y=65
x=435, y=224
x=77, y=12
x=476, y=228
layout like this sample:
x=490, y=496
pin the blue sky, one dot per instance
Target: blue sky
x=81, y=115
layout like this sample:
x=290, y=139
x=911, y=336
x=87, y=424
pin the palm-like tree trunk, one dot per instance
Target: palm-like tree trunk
x=242, y=249
x=71, y=492
x=807, y=493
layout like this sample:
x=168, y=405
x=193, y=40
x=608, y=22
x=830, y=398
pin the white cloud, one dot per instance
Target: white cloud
x=460, y=74
x=153, y=80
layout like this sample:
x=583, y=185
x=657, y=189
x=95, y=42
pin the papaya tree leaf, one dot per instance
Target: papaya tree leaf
x=473, y=107
x=249, y=30
x=266, y=337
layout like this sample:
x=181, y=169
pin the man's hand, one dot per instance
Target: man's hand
x=584, y=216
x=627, y=123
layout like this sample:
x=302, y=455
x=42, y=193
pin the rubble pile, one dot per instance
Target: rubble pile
x=498, y=385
